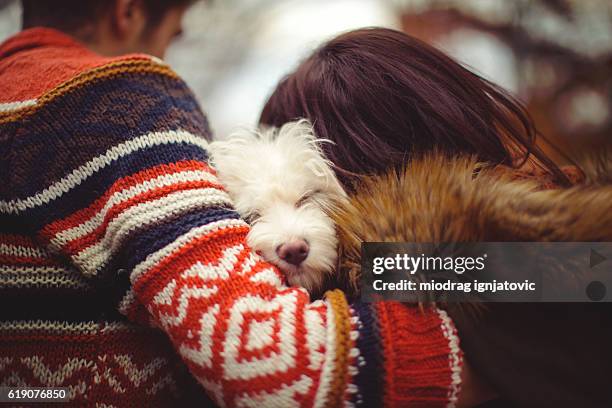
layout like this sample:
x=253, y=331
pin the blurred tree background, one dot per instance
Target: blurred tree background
x=554, y=55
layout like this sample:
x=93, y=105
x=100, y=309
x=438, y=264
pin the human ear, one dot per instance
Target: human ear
x=128, y=18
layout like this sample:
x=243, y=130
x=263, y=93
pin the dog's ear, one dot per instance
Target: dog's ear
x=227, y=150
x=231, y=156
x=227, y=158
x=301, y=137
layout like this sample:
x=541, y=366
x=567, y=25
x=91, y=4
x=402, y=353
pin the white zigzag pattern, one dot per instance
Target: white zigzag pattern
x=249, y=263
x=139, y=375
x=58, y=378
x=111, y=380
x=55, y=378
x=220, y=269
x=206, y=273
x=267, y=275
x=183, y=303
x=166, y=381
x=80, y=174
x=4, y=361
x=13, y=380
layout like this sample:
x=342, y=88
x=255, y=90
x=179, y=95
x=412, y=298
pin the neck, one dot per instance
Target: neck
x=96, y=37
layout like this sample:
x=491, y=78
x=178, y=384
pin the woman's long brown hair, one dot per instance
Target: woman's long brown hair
x=382, y=97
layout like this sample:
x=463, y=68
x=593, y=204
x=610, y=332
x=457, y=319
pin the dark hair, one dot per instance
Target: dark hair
x=68, y=15
x=382, y=97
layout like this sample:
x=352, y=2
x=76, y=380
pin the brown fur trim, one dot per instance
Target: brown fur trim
x=442, y=199
x=597, y=165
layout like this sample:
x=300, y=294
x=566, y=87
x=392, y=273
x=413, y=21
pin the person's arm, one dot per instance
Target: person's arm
x=122, y=187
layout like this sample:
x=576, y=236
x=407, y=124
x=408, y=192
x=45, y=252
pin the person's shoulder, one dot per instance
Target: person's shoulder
x=40, y=64
x=103, y=102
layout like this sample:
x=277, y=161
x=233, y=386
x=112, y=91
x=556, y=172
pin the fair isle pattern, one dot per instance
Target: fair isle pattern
x=122, y=376
x=129, y=204
x=25, y=371
x=262, y=336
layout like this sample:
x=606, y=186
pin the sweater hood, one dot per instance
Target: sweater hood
x=442, y=199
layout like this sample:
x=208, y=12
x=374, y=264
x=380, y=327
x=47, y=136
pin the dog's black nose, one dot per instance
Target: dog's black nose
x=293, y=252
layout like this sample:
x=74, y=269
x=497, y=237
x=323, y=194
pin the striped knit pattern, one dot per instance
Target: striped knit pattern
x=113, y=226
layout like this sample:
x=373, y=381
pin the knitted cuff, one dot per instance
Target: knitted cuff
x=370, y=377
x=341, y=324
x=422, y=359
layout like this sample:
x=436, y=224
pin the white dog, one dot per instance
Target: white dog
x=281, y=183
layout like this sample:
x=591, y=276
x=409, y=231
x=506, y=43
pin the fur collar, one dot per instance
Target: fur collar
x=442, y=199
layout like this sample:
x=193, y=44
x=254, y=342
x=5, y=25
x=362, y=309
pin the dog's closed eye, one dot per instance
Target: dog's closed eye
x=252, y=216
x=307, y=197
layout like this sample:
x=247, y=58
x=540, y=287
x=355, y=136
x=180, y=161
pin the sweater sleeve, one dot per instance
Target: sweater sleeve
x=129, y=198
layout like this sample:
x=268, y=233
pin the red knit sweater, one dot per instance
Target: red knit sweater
x=122, y=261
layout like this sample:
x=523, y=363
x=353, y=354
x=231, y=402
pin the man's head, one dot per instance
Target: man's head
x=111, y=27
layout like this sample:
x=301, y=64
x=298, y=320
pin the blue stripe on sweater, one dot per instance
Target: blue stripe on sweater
x=370, y=378
x=93, y=187
x=148, y=241
x=73, y=128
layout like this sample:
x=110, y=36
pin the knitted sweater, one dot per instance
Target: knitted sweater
x=122, y=261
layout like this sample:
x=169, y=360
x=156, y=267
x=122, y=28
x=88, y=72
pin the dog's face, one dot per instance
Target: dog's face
x=281, y=183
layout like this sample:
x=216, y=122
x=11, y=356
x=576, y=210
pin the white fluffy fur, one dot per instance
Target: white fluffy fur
x=280, y=182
